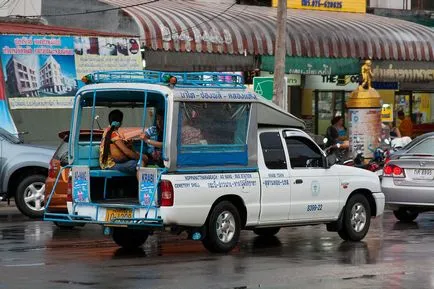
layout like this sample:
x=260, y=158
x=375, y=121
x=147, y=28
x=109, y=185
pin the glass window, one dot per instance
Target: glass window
x=303, y=153
x=213, y=123
x=213, y=134
x=272, y=149
x=425, y=147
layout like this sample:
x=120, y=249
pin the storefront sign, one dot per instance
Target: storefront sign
x=264, y=86
x=42, y=71
x=403, y=71
x=327, y=5
x=314, y=66
x=212, y=36
x=343, y=82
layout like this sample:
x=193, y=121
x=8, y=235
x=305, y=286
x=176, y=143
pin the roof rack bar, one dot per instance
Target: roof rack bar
x=183, y=79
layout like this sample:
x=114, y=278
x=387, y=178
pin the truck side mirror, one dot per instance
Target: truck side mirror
x=330, y=160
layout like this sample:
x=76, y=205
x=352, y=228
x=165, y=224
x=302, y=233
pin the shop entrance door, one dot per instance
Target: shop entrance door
x=326, y=105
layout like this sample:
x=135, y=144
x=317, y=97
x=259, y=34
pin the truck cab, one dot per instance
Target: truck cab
x=231, y=160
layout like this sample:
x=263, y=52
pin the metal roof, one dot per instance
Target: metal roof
x=28, y=28
x=191, y=26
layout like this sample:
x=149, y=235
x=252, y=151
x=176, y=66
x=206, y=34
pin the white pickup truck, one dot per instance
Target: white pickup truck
x=232, y=161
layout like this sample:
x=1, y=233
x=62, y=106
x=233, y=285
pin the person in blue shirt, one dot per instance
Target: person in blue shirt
x=153, y=136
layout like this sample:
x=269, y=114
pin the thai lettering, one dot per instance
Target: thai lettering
x=404, y=75
x=212, y=36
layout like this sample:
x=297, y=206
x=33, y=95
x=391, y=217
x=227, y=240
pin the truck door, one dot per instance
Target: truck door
x=314, y=188
x=274, y=174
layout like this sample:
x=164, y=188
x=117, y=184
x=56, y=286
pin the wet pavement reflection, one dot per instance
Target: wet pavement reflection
x=37, y=254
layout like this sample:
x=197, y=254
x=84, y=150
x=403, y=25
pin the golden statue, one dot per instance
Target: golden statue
x=367, y=75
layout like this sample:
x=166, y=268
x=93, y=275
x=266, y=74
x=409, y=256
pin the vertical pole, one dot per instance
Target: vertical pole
x=279, y=55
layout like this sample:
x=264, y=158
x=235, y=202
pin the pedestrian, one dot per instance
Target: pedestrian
x=406, y=125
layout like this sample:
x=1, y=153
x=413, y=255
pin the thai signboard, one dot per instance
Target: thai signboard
x=403, y=71
x=42, y=71
x=327, y=5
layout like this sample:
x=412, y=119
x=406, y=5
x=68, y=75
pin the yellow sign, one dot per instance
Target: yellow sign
x=358, y=6
x=386, y=113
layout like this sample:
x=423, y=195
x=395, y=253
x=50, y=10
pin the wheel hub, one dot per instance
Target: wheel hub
x=34, y=196
x=225, y=226
x=358, y=217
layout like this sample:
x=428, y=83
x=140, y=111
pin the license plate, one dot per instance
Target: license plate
x=423, y=173
x=118, y=214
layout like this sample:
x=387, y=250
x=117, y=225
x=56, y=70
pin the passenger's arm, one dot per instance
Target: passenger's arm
x=127, y=151
x=154, y=143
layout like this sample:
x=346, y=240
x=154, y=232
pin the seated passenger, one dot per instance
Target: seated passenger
x=189, y=133
x=115, y=152
x=153, y=136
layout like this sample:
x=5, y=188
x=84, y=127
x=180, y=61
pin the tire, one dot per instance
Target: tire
x=62, y=225
x=405, y=215
x=225, y=218
x=129, y=239
x=356, y=230
x=266, y=232
x=30, y=195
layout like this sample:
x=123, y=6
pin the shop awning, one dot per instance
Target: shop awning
x=194, y=26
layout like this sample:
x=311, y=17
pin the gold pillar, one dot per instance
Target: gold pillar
x=364, y=115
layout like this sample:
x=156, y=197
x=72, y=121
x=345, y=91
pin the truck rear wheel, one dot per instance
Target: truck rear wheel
x=128, y=238
x=405, y=215
x=356, y=219
x=223, y=228
x=266, y=232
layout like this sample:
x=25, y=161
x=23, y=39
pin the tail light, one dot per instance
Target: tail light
x=393, y=171
x=166, y=193
x=51, y=170
x=69, y=190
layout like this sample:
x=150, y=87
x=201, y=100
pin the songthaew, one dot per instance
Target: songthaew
x=210, y=158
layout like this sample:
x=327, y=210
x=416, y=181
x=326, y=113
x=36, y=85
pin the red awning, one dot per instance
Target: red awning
x=187, y=25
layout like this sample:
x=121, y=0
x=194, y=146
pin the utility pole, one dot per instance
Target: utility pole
x=279, y=55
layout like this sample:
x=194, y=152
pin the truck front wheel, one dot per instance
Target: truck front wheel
x=223, y=228
x=356, y=219
x=128, y=238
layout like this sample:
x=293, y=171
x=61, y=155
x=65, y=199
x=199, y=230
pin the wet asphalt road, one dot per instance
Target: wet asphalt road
x=35, y=254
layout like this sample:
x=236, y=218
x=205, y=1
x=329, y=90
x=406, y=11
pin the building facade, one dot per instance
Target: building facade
x=21, y=78
x=51, y=78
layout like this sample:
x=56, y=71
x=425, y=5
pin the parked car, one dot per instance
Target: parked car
x=408, y=179
x=23, y=170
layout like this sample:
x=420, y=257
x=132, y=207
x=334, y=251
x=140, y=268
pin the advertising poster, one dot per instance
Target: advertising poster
x=43, y=71
x=36, y=67
x=106, y=53
x=365, y=130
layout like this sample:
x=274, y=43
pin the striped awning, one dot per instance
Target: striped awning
x=195, y=26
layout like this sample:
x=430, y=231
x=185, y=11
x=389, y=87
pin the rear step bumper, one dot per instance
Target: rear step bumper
x=138, y=223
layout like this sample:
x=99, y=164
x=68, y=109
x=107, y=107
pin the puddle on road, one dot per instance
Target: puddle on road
x=70, y=282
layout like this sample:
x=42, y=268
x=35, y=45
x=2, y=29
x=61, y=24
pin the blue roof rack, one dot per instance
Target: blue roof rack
x=182, y=79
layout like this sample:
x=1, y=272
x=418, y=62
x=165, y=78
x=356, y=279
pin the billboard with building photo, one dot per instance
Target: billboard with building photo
x=43, y=71
x=36, y=67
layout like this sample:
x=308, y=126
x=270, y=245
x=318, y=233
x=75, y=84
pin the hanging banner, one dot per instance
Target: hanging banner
x=43, y=71
x=36, y=67
x=106, y=53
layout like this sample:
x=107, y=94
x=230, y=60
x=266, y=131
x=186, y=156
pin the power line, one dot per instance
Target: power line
x=89, y=12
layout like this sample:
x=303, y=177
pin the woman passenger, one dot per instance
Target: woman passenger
x=115, y=153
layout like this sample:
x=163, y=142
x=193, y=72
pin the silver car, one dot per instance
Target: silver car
x=23, y=170
x=408, y=179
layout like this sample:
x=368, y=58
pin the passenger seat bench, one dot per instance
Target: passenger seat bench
x=93, y=163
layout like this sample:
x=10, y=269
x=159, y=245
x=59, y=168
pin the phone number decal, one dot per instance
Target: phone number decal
x=312, y=208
